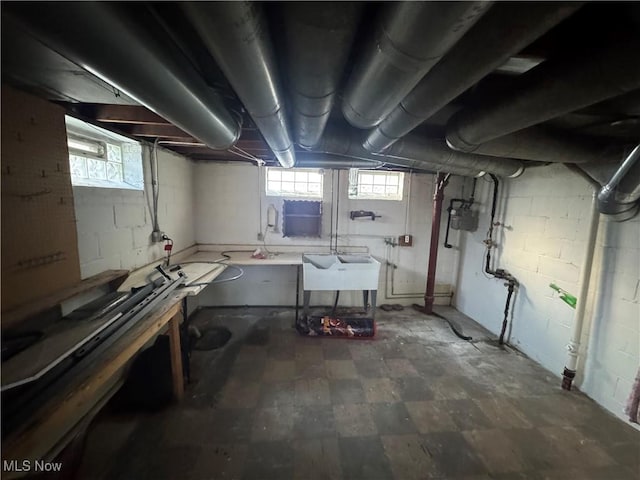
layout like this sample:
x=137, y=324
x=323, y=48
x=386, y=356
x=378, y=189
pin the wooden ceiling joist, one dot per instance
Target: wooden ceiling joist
x=189, y=150
x=177, y=142
x=127, y=114
x=154, y=130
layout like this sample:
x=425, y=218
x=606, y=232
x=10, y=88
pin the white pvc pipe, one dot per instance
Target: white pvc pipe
x=587, y=262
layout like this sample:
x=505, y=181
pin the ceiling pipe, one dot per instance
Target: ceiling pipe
x=318, y=40
x=419, y=153
x=435, y=151
x=554, y=88
x=122, y=49
x=237, y=36
x=503, y=32
x=176, y=25
x=411, y=37
x=546, y=145
x=619, y=196
x=328, y=160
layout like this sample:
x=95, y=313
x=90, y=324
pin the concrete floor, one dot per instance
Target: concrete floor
x=415, y=403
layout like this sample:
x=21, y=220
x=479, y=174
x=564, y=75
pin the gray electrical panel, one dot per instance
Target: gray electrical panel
x=464, y=219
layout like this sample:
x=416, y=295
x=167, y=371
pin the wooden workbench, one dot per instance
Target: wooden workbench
x=56, y=423
x=53, y=425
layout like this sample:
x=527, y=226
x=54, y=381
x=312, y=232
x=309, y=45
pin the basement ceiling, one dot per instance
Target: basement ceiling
x=36, y=56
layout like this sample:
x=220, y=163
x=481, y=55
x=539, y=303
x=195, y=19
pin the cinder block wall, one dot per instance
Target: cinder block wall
x=228, y=212
x=544, y=216
x=114, y=225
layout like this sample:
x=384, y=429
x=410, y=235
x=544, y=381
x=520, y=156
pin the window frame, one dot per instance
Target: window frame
x=275, y=175
x=104, y=140
x=355, y=192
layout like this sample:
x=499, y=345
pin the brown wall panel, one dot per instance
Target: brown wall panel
x=39, y=240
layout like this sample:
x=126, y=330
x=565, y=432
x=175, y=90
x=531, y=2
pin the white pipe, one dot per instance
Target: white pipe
x=574, y=344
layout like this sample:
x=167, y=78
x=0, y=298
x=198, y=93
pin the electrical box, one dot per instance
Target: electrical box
x=405, y=240
x=464, y=219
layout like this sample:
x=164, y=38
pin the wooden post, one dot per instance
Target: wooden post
x=176, y=356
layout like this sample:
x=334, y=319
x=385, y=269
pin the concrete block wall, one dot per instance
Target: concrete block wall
x=614, y=344
x=231, y=209
x=544, y=217
x=114, y=225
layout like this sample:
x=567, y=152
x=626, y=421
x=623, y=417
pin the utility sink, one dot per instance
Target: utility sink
x=340, y=272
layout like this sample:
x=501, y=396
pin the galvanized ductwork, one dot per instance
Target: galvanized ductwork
x=436, y=151
x=328, y=160
x=620, y=195
x=411, y=38
x=554, y=88
x=237, y=36
x=504, y=31
x=124, y=50
x=418, y=153
x=318, y=40
x=546, y=145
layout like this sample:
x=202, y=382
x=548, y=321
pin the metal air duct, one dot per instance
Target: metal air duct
x=419, y=153
x=328, y=160
x=619, y=196
x=318, y=39
x=554, y=88
x=237, y=36
x=124, y=50
x=503, y=32
x=546, y=145
x=411, y=38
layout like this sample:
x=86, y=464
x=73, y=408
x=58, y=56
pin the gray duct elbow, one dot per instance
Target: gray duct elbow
x=619, y=197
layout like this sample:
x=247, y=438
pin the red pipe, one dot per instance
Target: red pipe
x=438, y=197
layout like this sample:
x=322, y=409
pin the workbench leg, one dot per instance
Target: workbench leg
x=306, y=296
x=295, y=321
x=176, y=357
x=184, y=342
x=374, y=295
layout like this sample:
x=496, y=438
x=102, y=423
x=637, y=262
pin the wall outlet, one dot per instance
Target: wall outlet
x=260, y=236
x=405, y=240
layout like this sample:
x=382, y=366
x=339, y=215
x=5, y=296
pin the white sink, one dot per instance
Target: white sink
x=340, y=272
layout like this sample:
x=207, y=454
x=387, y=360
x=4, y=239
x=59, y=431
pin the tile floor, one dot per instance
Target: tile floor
x=415, y=403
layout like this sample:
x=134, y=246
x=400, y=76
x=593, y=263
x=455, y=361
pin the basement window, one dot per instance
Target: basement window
x=375, y=185
x=100, y=158
x=294, y=182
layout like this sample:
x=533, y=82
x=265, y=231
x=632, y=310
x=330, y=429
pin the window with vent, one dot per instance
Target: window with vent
x=375, y=184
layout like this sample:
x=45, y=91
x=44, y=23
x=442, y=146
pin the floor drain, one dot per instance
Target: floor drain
x=213, y=338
